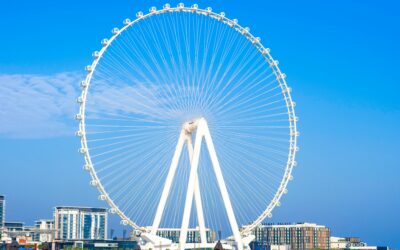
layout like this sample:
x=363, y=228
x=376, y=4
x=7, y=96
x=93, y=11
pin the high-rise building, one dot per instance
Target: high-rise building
x=2, y=211
x=74, y=223
x=297, y=236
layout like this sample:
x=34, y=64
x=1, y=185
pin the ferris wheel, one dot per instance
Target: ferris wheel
x=187, y=123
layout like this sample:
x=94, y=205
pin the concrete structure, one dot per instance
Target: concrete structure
x=74, y=223
x=297, y=236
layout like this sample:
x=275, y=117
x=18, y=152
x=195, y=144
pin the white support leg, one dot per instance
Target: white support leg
x=190, y=189
x=197, y=196
x=222, y=186
x=168, y=182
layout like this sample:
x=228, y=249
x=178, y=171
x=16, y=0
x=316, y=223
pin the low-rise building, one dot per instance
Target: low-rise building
x=43, y=231
x=297, y=236
x=352, y=243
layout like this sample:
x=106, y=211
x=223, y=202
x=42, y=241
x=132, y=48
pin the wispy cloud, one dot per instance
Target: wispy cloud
x=37, y=106
x=41, y=106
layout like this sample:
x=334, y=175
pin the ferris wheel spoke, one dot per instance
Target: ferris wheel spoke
x=155, y=62
x=135, y=176
x=252, y=100
x=249, y=164
x=249, y=72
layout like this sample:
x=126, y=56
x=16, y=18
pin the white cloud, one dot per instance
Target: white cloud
x=37, y=106
x=41, y=106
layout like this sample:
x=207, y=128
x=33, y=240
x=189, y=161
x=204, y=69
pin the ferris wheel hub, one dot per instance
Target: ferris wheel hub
x=192, y=125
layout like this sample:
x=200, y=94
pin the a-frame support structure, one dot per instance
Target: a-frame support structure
x=193, y=190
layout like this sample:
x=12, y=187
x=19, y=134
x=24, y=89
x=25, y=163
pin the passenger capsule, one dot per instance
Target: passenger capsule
x=266, y=51
x=86, y=167
x=104, y=42
x=96, y=54
x=153, y=9
x=88, y=68
x=294, y=119
x=296, y=133
x=139, y=14
x=115, y=31
x=274, y=63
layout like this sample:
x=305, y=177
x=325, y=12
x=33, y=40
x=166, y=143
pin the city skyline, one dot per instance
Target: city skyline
x=340, y=60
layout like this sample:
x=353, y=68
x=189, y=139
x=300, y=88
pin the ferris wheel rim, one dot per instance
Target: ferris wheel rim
x=232, y=23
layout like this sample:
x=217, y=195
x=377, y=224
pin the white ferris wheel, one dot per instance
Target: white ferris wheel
x=187, y=124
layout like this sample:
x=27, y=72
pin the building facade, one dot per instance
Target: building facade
x=193, y=235
x=74, y=223
x=43, y=231
x=297, y=236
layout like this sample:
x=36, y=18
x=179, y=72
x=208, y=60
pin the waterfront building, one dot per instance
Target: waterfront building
x=193, y=235
x=297, y=236
x=352, y=243
x=74, y=223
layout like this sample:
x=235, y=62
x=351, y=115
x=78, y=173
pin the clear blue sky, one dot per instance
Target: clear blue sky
x=341, y=59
